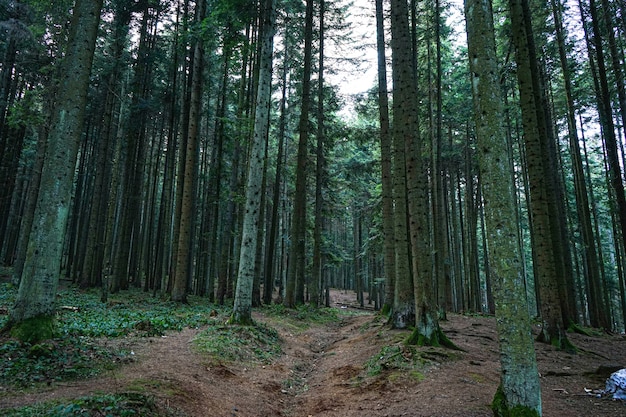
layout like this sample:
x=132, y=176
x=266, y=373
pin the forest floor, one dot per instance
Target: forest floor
x=347, y=368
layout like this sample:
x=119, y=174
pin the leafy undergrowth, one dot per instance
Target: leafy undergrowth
x=117, y=405
x=25, y=365
x=133, y=312
x=78, y=349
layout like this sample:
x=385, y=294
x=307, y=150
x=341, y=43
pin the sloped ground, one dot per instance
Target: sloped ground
x=350, y=369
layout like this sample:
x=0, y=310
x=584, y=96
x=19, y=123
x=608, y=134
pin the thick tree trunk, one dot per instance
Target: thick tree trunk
x=535, y=143
x=403, y=314
x=37, y=291
x=519, y=383
x=242, y=309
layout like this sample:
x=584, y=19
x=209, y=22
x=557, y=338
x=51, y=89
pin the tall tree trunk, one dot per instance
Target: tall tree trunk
x=38, y=285
x=600, y=316
x=242, y=309
x=519, y=378
x=295, y=273
x=403, y=314
x=271, y=260
x=133, y=153
x=183, y=268
x=92, y=271
x=536, y=148
x=385, y=164
x=591, y=266
x=320, y=174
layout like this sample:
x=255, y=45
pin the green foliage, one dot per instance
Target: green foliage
x=112, y=405
x=237, y=343
x=26, y=365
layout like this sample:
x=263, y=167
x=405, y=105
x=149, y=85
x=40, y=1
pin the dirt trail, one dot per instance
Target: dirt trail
x=321, y=373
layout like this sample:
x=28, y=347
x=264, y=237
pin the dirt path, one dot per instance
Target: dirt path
x=322, y=373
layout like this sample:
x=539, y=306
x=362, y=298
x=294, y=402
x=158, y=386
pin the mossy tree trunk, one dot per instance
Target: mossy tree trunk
x=40, y=277
x=242, y=309
x=519, y=383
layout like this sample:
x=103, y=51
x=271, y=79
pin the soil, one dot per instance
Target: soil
x=322, y=373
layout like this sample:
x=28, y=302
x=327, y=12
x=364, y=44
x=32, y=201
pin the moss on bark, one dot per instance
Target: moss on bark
x=438, y=338
x=500, y=407
x=34, y=329
x=240, y=319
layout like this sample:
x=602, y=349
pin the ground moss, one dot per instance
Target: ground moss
x=34, y=329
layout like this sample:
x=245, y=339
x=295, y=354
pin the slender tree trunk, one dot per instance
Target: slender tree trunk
x=270, y=259
x=183, y=268
x=601, y=318
x=320, y=173
x=385, y=164
x=295, y=273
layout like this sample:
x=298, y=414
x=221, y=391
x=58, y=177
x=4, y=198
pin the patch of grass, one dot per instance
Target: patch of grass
x=235, y=343
x=114, y=405
x=415, y=375
x=26, y=365
x=395, y=357
x=142, y=385
x=303, y=316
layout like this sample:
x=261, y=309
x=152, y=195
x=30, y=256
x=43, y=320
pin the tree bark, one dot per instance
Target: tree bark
x=385, y=164
x=183, y=269
x=519, y=381
x=294, y=292
x=536, y=148
x=242, y=309
x=37, y=291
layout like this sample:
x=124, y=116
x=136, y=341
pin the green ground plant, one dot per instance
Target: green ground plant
x=74, y=349
x=115, y=405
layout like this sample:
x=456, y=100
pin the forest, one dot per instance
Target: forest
x=435, y=157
